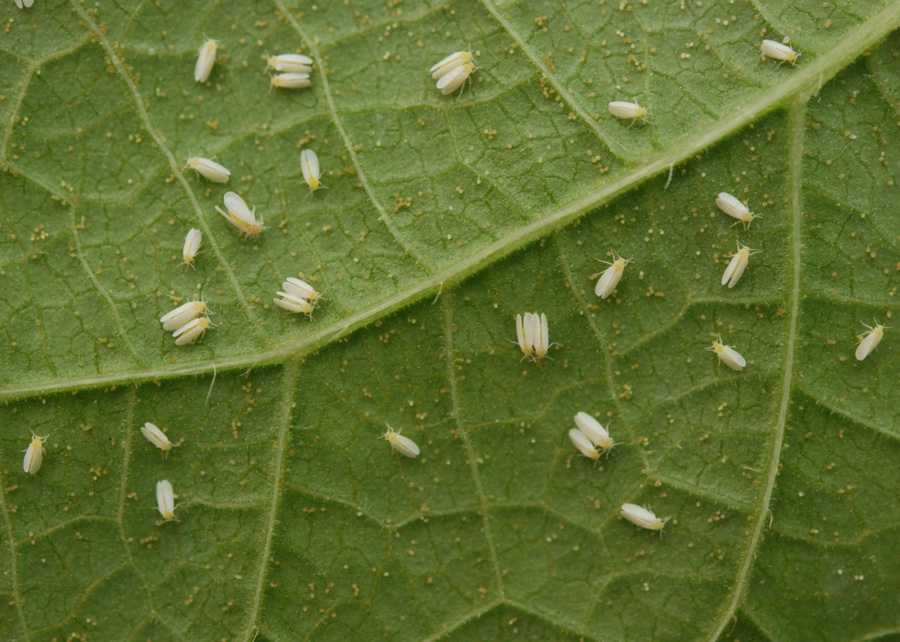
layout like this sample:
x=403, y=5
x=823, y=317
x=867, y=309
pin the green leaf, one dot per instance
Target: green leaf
x=444, y=217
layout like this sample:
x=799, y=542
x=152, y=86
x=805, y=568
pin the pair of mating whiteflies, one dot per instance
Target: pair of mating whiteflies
x=296, y=67
x=453, y=71
x=533, y=335
x=185, y=322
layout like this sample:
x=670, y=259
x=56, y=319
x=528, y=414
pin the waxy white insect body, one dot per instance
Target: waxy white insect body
x=611, y=276
x=403, y=445
x=737, y=265
x=583, y=444
x=626, y=110
x=165, y=500
x=291, y=81
x=156, y=436
x=216, y=172
x=206, y=58
x=300, y=288
x=454, y=78
x=34, y=454
x=523, y=333
x=541, y=335
x=778, y=51
x=728, y=355
x=192, y=241
x=533, y=334
x=309, y=165
x=191, y=331
x=593, y=430
x=181, y=315
x=643, y=517
x=293, y=303
x=24, y=4
x=870, y=341
x=735, y=208
x=291, y=63
x=239, y=215
x=451, y=62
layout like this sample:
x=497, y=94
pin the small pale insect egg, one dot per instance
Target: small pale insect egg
x=24, y=4
x=309, y=165
x=778, y=51
x=728, y=355
x=191, y=331
x=239, y=215
x=156, y=436
x=736, y=266
x=643, y=517
x=216, y=172
x=402, y=444
x=451, y=62
x=291, y=63
x=869, y=341
x=192, y=241
x=610, y=277
x=594, y=431
x=627, y=110
x=291, y=81
x=34, y=454
x=182, y=314
x=454, y=78
x=206, y=58
x=583, y=444
x=165, y=500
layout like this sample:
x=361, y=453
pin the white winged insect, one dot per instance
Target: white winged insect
x=156, y=437
x=309, y=165
x=454, y=78
x=402, y=444
x=611, y=276
x=181, y=315
x=728, y=355
x=736, y=209
x=778, y=51
x=34, y=454
x=869, y=341
x=191, y=331
x=291, y=81
x=165, y=500
x=594, y=431
x=627, y=111
x=216, y=172
x=291, y=63
x=643, y=517
x=453, y=61
x=736, y=267
x=583, y=444
x=192, y=241
x=206, y=58
x=300, y=288
x=238, y=214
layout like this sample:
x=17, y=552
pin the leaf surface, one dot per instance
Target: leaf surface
x=444, y=217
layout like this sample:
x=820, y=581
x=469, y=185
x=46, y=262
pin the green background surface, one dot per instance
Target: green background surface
x=443, y=218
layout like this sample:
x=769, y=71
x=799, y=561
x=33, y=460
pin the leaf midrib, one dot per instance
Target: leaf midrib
x=801, y=80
